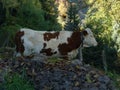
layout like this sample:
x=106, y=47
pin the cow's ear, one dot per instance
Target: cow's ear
x=85, y=32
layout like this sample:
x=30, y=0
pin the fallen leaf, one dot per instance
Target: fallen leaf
x=77, y=83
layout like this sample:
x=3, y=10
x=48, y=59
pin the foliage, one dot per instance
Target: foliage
x=31, y=15
x=72, y=17
x=115, y=9
x=26, y=13
x=50, y=14
x=100, y=19
x=7, y=34
x=68, y=14
x=16, y=82
x=2, y=13
x=62, y=12
x=115, y=77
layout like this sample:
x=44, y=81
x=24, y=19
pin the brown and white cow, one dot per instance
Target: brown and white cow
x=53, y=43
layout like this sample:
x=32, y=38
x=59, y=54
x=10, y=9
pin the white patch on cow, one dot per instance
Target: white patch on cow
x=89, y=40
x=17, y=54
x=72, y=54
x=33, y=41
x=64, y=35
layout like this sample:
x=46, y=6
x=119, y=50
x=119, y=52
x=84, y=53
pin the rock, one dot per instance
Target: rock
x=60, y=75
x=76, y=62
x=93, y=88
x=39, y=58
x=76, y=88
x=84, y=89
x=1, y=78
x=104, y=79
x=102, y=87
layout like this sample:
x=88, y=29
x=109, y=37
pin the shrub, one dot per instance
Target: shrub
x=16, y=82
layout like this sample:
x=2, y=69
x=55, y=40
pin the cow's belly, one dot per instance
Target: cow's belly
x=36, y=51
x=69, y=55
x=32, y=49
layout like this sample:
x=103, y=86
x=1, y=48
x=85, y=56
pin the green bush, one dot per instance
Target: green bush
x=16, y=82
x=7, y=33
x=115, y=77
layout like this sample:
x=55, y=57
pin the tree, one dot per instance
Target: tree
x=100, y=18
x=50, y=14
x=62, y=12
x=72, y=17
x=2, y=13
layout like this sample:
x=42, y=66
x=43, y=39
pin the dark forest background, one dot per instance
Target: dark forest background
x=102, y=16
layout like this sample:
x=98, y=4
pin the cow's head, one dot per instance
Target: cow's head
x=89, y=39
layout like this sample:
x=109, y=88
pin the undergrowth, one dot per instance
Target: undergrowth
x=16, y=82
x=115, y=77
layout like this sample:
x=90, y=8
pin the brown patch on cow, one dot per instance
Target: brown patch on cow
x=19, y=43
x=73, y=43
x=44, y=45
x=48, y=52
x=85, y=32
x=48, y=36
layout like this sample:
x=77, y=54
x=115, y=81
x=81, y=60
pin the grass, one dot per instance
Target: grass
x=54, y=60
x=115, y=77
x=16, y=82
